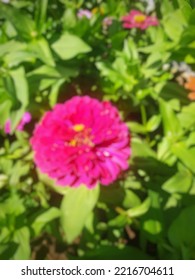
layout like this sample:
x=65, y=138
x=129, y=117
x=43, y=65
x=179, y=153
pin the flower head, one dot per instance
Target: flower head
x=84, y=13
x=82, y=141
x=136, y=19
x=107, y=21
x=26, y=118
x=5, y=1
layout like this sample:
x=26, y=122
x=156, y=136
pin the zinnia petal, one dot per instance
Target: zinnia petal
x=82, y=141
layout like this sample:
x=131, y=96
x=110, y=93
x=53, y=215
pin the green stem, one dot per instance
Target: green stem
x=143, y=115
x=144, y=120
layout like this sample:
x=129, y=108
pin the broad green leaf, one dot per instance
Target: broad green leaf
x=13, y=206
x=43, y=219
x=11, y=46
x=68, y=46
x=170, y=122
x=22, y=237
x=23, y=24
x=152, y=226
x=140, y=209
x=76, y=206
x=20, y=169
x=40, y=48
x=192, y=20
x=164, y=152
x=141, y=149
x=130, y=49
x=153, y=123
x=182, y=229
x=55, y=90
x=119, y=221
x=3, y=180
x=136, y=127
x=131, y=199
x=174, y=25
x=69, y=19
x=187, y=38
x=187, y=116
x=21, y=85
x=13, y=59
x=187, y=156
x=186, y=9
x=179, y=183
x=190, y=141
x=5, y=109
x=7, y=250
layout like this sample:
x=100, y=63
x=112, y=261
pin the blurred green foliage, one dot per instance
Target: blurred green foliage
x=47, y=55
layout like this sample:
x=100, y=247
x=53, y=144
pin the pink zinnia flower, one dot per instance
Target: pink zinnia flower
x=84, y=13
x=26, y=118
x=136, y=19
x=82, y=141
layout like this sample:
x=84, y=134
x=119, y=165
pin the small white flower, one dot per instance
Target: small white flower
x=150, y=5
x=5, y=1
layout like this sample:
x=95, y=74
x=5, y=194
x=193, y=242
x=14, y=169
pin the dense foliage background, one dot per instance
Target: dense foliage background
x=48, y=54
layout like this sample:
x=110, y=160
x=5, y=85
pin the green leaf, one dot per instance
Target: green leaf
x=170, y=121
x=68, y=46
x=153, y=123
x=192, y=20
x=187, y=156
x=22, y=237
x=43, y=219
x=173, y=25
x=190, y=141
x=20, y=169
x=13, y=206
x=141, y=148
x=76, y=206
x=185, y=8
x=179, y=183
x=5, y=109
x=131, y=199
x=11, y=46
x=136, y=127
x=53, y=96
x=69, y=19
x=152, y=226
x=21, y=85
x=40, y=48
x=187, y=116
x=21, y=22
x=13, y=59
x=182, y=230
x=140, y=210
x=3, y=180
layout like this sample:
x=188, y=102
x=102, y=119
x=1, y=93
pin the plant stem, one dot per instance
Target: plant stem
x=144, y=120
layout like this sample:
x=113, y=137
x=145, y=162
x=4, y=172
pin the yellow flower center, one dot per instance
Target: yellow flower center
x=78, y=127
x=139, y=18
x=82, y=137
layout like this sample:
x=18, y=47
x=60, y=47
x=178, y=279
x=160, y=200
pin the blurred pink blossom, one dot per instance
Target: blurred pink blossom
x=26, y=118
x=82, y=141
x=107, y=21
x=136, y=19
x=84, y=13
